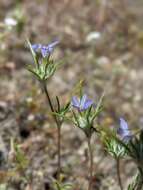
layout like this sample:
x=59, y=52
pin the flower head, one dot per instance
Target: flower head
x=81, y=104
x=123, y=131
x=46, y=50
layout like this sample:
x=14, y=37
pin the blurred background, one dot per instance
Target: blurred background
x=101, y=43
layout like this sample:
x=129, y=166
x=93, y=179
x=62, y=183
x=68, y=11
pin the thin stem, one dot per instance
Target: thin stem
x=118, y=173
x=50, y=103
x=59, y=151
x=58, y=128
x=91, y=163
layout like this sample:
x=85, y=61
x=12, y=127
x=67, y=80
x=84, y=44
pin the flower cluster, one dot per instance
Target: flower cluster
x=120, y=137
x=44, y=67
x=86, y=112
x=81, y=104
x=45, y=50
x=118, y=142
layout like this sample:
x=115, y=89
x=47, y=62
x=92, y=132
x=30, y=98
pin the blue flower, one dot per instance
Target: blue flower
x=36, y=47
x=45, y=50
x=81, y=104
x=123, y=130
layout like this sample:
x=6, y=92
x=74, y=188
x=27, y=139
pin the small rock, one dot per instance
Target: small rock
x=93, y=36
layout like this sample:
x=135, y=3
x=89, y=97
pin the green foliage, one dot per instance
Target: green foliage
x=114, y=148
x=137, y=183
x=113, y=144
x=85, y=120
x=20, y=158
x=135, y=149
x=44, y=70
x=35, y=58
x=61, y=111
x=62, y=186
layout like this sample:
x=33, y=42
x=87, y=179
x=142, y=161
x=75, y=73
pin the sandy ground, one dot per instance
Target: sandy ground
x=113, y=61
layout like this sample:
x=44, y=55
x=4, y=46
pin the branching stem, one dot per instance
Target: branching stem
x=58, y=129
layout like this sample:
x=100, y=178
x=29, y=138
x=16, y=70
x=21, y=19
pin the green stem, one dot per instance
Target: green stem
x=59, y=151
x=58, y=128
x=91, y=163
x=118, y=173
x=50, y=103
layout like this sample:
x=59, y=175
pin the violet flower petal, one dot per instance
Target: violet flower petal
x=123, y=130
x=52, y=45
x=88, y=103
x=75, y=102
x=36, y=47
x=123, y=124
x=83, y=101
x=44, y=51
